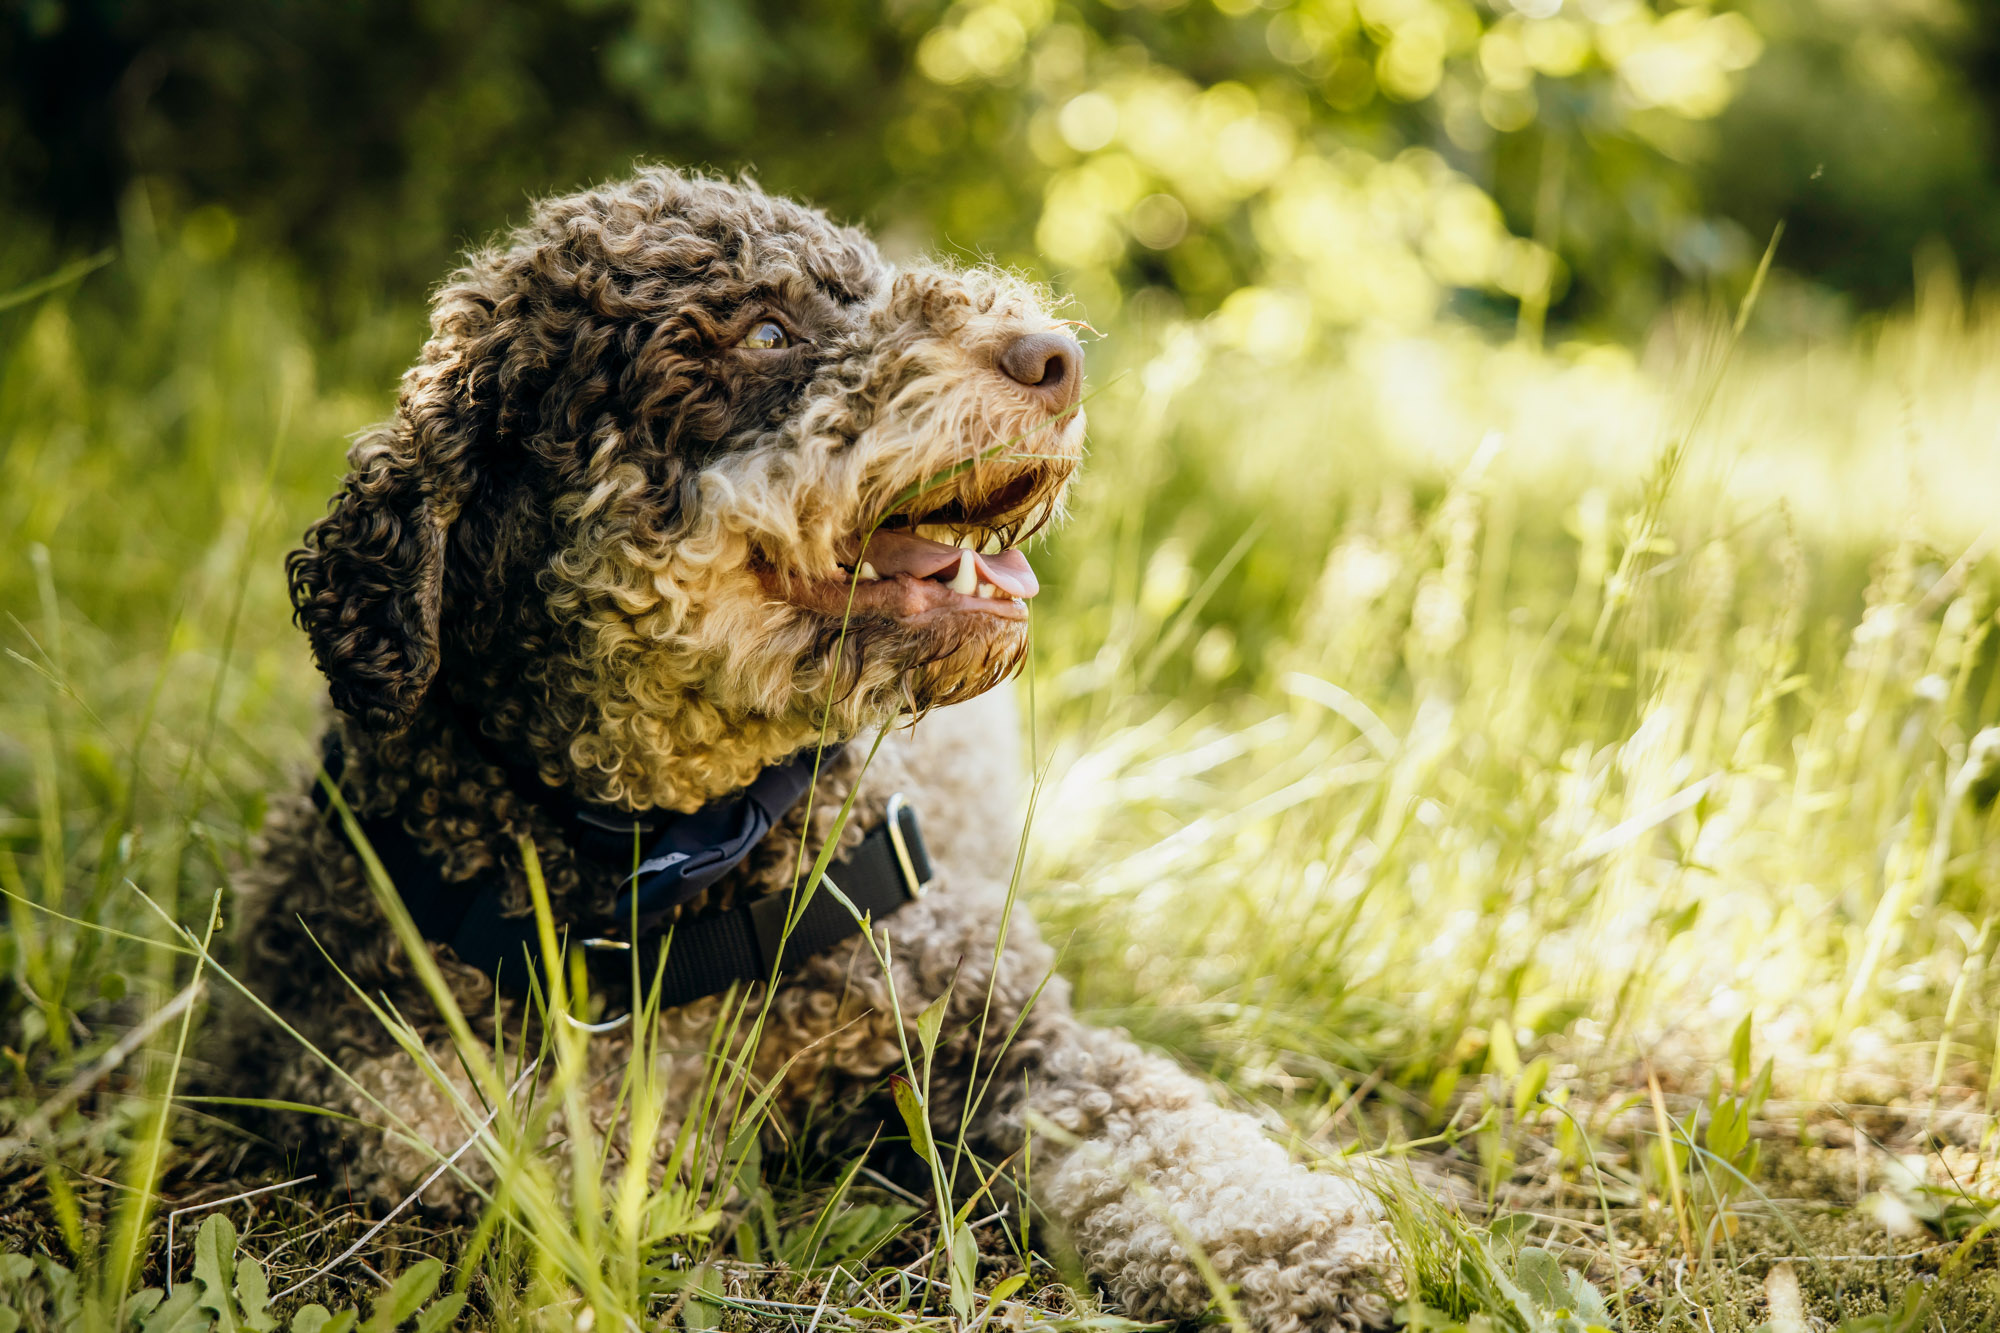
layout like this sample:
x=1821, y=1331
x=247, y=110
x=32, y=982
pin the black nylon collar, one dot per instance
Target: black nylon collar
x=670, y=859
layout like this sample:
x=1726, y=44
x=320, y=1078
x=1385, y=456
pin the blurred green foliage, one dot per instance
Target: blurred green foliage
x=1296, y=164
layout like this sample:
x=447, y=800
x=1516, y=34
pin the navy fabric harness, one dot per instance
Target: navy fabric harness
x=668, y=860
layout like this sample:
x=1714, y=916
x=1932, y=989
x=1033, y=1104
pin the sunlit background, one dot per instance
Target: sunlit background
x=1303, y=168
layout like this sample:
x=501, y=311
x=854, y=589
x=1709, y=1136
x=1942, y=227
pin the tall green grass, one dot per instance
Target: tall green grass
x=1484, y=758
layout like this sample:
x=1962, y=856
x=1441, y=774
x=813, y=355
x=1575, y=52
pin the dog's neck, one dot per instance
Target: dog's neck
x=683, y=777
x=528, y=779
x=643, y=764
x=466, y=803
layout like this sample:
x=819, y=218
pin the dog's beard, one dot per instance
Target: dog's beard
x=874, y=671
x=940, y=668
x=675, y=725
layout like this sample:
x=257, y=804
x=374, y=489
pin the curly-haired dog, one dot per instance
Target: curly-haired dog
x=602, y=581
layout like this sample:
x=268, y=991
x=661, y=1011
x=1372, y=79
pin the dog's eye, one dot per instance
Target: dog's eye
x=768, y=336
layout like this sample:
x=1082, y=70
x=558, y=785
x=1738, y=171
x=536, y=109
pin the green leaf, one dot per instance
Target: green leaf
x=1721, y=1135
x=910, y=1103
x=179, y=1313
x=1442, y=1088
x=141, y=1303
x=407, y=1293
x=63, y=1297
x=699, y=1313
x=254, y=1294
x=930, y=1021
x=1478, y=1272
x=1529, y=1086
x=1587, y=1301
x=1739, y=1051
x=1006, y=1287
x=215, y=1270
x=441, y=1315
x=1760, y=1090
x=10, y=1319
x=315, y=1319
x=964, y=1266
x=1541, y=1278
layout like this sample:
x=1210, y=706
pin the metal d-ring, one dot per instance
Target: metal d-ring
x=597, y=1029
x=598, y=942
x=917, y=888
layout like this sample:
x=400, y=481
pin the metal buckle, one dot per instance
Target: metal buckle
x=917, y=888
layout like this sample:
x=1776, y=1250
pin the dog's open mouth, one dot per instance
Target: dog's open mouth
x=953, y=550
x=972, y=564
x=975, y=550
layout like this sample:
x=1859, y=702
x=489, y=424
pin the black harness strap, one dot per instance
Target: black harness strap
x=678, y=856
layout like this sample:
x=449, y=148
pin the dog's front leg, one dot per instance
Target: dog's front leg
x=1145, y=1172
x=1130, y=1156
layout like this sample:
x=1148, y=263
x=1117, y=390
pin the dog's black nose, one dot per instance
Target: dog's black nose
x=1049, y=364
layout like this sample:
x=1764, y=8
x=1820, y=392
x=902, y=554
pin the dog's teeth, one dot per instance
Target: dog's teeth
x=867, y=573
x=967, y=579
x=989, y=592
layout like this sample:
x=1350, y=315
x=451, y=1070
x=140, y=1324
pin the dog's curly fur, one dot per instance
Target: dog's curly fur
x=614, y=535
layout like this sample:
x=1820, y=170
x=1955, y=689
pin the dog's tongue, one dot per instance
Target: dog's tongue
x=894, y=552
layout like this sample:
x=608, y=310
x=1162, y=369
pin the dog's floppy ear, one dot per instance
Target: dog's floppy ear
x=368, y=585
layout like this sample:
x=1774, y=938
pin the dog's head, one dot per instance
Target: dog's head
x=621, y=509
